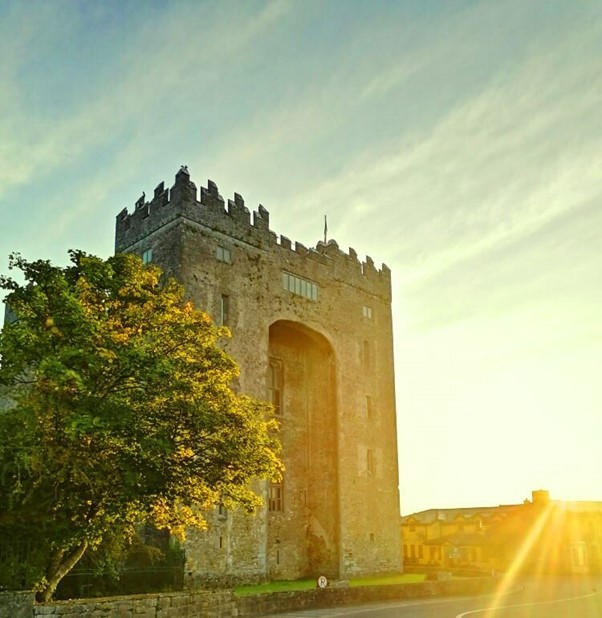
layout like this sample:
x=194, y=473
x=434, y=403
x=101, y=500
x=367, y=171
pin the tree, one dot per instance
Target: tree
x=120, y=411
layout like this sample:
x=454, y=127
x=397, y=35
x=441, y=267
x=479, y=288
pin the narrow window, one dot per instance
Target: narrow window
x=366, y=356
x=221, y=542
x=222, y=511
x=367, y=312
x=224, y=310
x=368, y=406
x=223, y=254
x=275, y=382
x=275, y=502
x=370, y=463
x=147, y=256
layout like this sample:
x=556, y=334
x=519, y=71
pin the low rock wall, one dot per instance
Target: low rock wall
x=168, y=605
x=225, y=604
x=16, y=604
x=261, y=605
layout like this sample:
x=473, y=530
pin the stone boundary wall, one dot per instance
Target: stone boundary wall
x=224, y=604
x=261, y=605
x=205, y=604
x=16, y=604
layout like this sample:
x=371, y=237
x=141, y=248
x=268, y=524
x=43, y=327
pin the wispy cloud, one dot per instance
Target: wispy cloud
x=164, y=64
x=499, y=166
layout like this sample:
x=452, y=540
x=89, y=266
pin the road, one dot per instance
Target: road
x=542, y=598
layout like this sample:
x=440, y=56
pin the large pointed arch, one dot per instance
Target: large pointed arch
x=303, y=512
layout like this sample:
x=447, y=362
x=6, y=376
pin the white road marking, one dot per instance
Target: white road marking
x=342, y=611
x=486, y=609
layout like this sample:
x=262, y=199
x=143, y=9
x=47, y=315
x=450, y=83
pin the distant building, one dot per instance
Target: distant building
x=451, y=538
x=546, y=536
x=311, y=331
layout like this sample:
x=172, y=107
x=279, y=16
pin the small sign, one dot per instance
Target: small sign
x=322, y=582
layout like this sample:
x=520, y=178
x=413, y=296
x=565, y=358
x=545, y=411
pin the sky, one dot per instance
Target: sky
x=458, y=142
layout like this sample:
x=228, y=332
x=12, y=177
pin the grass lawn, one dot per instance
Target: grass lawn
x=402, y=578
x=276, y=586
x=309, y=584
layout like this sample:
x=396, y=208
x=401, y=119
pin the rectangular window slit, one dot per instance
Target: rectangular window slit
x=275, y=502
x=224, y=310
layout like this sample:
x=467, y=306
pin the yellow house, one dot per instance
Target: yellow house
x=548, y=537
x=451, y=538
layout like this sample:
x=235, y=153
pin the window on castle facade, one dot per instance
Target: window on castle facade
x=147, y=256
x=368, y=409
x=275, y=500
x=370, y=462
x=367, y=312
x=224, y=310
x=275, y=382
x=366, y=355
x=299, y=286
x=223, y=254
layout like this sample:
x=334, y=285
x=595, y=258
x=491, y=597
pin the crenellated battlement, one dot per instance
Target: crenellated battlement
x=208, y=209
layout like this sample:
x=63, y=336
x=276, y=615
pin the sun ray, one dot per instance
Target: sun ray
x=524, y=551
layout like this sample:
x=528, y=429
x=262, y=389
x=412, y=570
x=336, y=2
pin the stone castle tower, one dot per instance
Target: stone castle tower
x=311, y=332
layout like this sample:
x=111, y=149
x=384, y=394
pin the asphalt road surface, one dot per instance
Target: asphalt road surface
x=541, y=598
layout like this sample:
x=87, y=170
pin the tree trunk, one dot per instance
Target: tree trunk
x=59, y=566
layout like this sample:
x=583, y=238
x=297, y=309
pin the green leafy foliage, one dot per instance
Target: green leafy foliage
x=119, y=410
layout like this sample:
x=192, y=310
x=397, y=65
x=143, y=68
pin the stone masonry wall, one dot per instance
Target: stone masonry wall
x=225, y=604
x=170, y=605
x=15, y=604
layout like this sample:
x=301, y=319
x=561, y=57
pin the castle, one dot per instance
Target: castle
x=311, y=332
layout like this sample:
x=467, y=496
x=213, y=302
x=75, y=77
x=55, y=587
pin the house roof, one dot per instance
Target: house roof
x=488, y=512
x=431, y=515
x=582, y=506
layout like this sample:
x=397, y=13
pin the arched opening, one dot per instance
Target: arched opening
x=303, y=512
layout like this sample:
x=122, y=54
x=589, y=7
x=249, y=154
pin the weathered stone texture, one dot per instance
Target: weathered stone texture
x=169, y=605
x=340, y=512
x=16, y=604
x=224, y=604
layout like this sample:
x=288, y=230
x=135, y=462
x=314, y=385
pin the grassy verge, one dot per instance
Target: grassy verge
x=309, y=584
x=276, y=586
x=402, y=578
